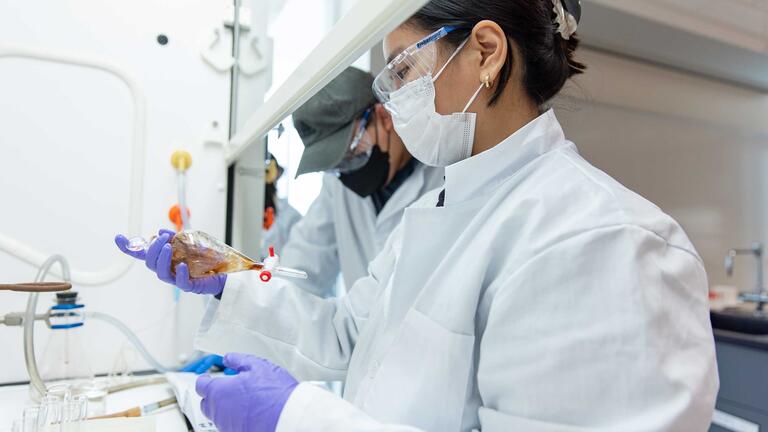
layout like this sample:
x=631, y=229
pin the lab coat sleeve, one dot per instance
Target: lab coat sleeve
x=312, y=244
x=607, y=330
x=312, y=337
x=312, y=409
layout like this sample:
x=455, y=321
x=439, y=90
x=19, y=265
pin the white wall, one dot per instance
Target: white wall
x=66, y=156
x=697, y=148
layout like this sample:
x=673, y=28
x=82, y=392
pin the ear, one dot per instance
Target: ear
x=383, y=122
x=493, y=46
x=384, y=117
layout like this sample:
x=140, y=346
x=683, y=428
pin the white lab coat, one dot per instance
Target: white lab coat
x=341, y=232
x=544, y=296
x=277, y=235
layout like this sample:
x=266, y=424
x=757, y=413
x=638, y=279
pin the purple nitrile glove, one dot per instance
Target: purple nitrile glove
x=250, y=401
x=158, y=259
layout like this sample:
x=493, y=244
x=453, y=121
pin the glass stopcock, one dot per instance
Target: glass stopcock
x=136, y=244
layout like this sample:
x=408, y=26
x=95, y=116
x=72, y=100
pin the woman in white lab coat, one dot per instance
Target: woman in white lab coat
x=534, y=293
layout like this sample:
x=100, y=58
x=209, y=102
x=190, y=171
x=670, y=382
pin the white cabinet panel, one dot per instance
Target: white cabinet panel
x=65, y=171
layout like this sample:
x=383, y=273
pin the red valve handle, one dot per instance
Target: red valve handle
x=265, y=276
x=272, y=251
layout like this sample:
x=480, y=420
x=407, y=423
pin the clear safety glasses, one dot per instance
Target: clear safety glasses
x=416, y=62
x=360, y=148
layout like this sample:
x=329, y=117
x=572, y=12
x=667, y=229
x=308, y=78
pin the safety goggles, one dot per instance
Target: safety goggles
x=416, y=62
x=360, y=148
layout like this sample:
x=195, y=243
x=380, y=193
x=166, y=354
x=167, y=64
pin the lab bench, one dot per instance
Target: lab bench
x=14, y=398
x=742, y=404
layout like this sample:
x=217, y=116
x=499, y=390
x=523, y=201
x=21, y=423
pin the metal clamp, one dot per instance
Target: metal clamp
x=217, y=59
x=16, y=319
x=758, y=296
x=754, y=298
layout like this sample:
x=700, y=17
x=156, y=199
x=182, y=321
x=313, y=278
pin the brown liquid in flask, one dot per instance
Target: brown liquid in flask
x=206, y=256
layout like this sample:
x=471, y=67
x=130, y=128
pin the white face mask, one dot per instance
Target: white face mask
x=434, y=139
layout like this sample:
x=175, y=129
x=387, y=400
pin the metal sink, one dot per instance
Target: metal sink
x=740, y=320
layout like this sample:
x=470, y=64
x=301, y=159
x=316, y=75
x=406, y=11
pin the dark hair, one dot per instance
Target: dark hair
x=547, y=56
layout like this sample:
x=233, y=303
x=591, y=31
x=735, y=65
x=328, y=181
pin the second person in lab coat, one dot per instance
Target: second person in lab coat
x=370, y=178
x=279, y=215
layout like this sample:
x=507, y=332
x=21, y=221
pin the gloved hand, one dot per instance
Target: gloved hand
x=250, y=401
x=122, y=243
x=158, y=259
x=205, y=363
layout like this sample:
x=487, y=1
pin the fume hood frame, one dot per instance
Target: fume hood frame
x=359, y=30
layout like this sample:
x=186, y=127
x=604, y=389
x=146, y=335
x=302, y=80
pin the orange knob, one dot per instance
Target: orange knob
x=269, y=217
x=174, y=214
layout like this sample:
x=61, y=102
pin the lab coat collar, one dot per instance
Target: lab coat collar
x=482, y=173
x=407, y=193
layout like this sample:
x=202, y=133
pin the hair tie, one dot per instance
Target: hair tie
x=567, y=21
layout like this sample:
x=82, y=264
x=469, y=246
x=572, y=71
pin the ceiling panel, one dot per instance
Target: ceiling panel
x=743, y=23
x=726, y=40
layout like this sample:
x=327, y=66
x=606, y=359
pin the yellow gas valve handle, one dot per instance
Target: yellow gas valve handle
x=181, y=160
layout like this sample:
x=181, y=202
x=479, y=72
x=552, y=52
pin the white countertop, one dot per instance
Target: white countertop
x=13, y=399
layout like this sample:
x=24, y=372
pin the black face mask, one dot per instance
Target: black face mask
x=371, y=177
